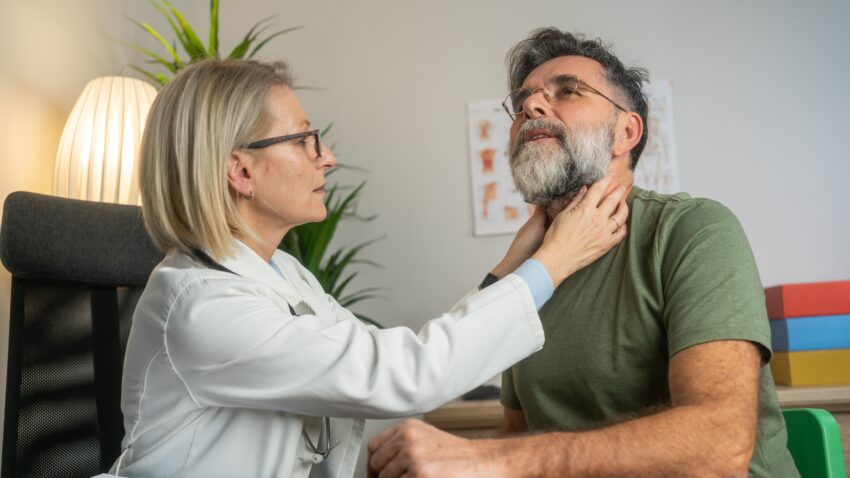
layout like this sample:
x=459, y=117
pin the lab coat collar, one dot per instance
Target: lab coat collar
x=247, y=263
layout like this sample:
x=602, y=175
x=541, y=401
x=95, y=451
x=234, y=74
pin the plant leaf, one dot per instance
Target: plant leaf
x=351, y=167
x=164, y=12
x=158, y=78
x=192, y=43
x=348, y=259
x=178, y=63
x=154, y=58
x=358, y=296
x=239, y=50
x=213, y=46
x=270, y=37
x=337, y=291
x=178, y=31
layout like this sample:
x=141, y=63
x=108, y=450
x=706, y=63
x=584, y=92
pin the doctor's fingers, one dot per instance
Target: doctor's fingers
x=596, y=191
x=621, y=215
x=577, y=199
x=612, y=200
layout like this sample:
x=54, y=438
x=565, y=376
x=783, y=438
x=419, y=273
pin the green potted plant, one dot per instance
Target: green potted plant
x=308, y=243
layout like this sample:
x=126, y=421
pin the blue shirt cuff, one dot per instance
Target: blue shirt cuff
x=538, y=279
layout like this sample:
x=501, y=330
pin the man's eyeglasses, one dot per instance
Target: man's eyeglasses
x=558, y=88
x=308, y=136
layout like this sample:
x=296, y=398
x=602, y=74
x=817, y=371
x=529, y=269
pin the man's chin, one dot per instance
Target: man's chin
x=555, y=200
x=538, y=150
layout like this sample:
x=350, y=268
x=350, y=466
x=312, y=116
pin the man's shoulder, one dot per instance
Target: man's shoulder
x=671, y=210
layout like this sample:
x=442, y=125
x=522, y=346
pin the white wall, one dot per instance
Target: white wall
x=760, y=106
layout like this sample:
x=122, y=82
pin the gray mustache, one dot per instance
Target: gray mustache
x=555, y=127
x=558, y=130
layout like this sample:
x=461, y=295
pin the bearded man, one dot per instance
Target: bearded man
x=655, y=362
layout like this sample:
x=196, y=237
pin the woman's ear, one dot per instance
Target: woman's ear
x=239, y=174
x=628, y=134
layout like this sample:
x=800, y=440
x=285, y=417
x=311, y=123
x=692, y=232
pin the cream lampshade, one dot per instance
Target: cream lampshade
x=97, y=153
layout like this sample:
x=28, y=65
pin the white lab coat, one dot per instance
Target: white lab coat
x=219, y=378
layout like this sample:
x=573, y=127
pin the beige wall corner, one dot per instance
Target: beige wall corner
x=29, y=133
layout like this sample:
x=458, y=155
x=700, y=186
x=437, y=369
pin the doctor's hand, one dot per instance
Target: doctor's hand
x=414, y=449
x=525, y=243
x=592, y=224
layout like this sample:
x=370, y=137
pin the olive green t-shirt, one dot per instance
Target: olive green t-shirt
x=683, y=276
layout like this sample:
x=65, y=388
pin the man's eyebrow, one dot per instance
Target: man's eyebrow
x=306, y=123
x=563, y=78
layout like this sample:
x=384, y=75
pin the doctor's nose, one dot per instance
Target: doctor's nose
x=328, y=160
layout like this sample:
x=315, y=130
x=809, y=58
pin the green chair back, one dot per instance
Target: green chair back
x=814, y=442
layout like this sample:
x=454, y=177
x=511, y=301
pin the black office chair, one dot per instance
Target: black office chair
x=78, y=268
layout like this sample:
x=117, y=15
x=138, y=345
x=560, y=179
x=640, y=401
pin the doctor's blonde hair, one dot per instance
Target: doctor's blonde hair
x=209, y=110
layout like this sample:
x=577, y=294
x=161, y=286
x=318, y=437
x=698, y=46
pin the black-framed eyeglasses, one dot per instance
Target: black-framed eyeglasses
x=311, y=136
x=558, y=88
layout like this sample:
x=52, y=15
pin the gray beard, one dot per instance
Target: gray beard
x=552, y=173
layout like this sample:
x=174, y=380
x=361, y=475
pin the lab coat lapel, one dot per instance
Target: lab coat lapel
x=305, y=283
x=248, y=264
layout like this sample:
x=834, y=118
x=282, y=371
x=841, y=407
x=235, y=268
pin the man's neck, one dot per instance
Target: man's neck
x=556, y=207
x=623, y=176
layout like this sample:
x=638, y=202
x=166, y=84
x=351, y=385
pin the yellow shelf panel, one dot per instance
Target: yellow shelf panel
x=816, y=367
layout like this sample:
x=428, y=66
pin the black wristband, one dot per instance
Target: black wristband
x=489, y=280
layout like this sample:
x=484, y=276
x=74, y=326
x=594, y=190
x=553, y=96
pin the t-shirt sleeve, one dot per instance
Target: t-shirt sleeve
x=711, y=285
x=508, y=395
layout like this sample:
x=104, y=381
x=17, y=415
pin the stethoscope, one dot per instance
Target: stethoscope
x=316, y=455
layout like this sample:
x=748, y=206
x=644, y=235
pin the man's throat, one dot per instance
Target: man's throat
x=555, y=208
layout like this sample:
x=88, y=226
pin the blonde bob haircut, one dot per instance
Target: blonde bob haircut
x=209, y=110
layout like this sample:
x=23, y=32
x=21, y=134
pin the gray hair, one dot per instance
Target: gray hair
x=546, y=43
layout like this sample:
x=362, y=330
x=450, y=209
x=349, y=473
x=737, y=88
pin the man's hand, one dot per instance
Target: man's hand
x=414, y=449
x=710, y=430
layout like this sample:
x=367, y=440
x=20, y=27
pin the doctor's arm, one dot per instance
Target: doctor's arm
x=233, y=345
x=709, y=428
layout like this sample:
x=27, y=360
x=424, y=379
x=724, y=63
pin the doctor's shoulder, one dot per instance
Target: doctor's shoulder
x=180, y=283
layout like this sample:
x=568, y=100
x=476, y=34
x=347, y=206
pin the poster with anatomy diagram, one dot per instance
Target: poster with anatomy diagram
x=657, y=169
x=500, y=209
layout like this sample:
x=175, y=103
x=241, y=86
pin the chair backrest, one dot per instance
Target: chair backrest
x=78, y=268
x=814, y=442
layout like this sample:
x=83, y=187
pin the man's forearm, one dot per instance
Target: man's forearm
x=683, y=441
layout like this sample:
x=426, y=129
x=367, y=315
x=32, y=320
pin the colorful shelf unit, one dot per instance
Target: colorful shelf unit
x=810, y=333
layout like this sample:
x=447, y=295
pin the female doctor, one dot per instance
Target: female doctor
x=237, y=357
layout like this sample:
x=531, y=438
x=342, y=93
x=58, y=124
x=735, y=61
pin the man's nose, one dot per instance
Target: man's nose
x=537, y=105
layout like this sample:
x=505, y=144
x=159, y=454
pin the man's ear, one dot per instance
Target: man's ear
x=239, y=174
x=628, y=133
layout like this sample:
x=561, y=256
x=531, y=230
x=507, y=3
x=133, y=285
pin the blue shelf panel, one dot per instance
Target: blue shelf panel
x=810, y=333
